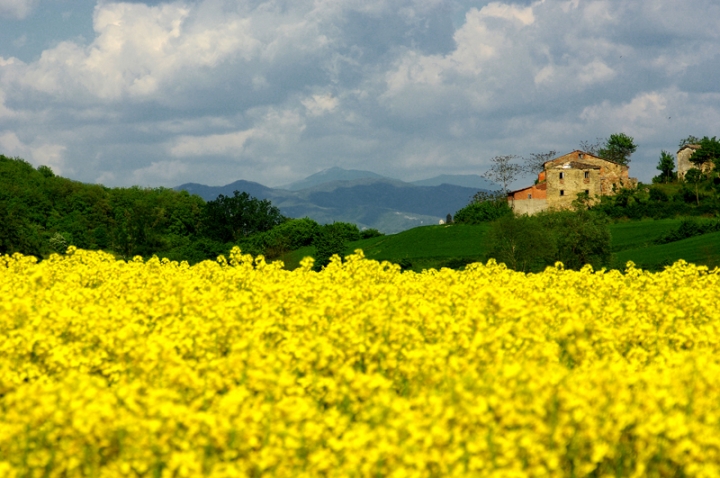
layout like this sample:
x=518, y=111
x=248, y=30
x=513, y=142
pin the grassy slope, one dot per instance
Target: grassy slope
x=639, y=234
x=703, y=249
x=453, y=246
x=421, y=247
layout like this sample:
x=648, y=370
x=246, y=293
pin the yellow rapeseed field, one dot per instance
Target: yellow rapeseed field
x=240, y=368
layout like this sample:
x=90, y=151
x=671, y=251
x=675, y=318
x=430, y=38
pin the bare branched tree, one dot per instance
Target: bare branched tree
x=592, y=148
x=534, y=164
x=503, y=170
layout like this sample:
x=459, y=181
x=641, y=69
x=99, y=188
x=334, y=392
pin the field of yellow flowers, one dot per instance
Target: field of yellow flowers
x=240, y=368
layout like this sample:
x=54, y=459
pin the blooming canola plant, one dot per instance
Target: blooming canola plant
x=240, y=368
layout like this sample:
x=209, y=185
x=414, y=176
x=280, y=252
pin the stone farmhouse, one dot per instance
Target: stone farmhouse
x=684, y=164
x=562, y=178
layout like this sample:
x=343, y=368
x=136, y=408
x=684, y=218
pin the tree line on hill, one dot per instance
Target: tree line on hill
x=41, y=214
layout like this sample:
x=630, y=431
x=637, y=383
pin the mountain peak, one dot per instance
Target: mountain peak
x=331, y=174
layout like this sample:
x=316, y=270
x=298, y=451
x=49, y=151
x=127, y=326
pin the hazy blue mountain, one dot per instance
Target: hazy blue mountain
x=210, y=193
x=370, y=202
x=435, y=201
x=328, y=175
x=466, y=180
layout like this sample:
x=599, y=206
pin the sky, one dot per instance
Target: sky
x=212, y=91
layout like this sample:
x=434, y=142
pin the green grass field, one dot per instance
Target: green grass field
x=454, y=246
x=703, y=250
x=639, y=234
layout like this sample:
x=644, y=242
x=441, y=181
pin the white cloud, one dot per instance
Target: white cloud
x=37, y=152
x=17, y=8
x=317, y=105
x=5, y=112
x=11, y=144
x=594, y=72
x=138, y=49
x=160, y=172
x=508, y=12
x=215, y=144
x=272, y=129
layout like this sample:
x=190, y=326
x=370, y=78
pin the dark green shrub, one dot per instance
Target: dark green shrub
x=330, y=241
x=484, y=208
x=580, y=238
x=531, y=243
x=689, y=228
x=658, y=195
x=349, y=232
x=521, y=243
x=370, y=233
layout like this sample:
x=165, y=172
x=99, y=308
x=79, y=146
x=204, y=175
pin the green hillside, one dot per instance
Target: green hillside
x=419, y=248
x=630, y=235
x=703, y=250
x=457, y=245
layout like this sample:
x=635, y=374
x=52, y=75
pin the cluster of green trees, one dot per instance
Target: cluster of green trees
x=531, y=243
x=484, y=207
x=41, y=213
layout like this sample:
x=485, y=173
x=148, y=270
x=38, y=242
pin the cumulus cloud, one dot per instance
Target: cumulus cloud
x=217, y=90
x=213, y=144
x=17, y=9
x=160, y=172
x=137, y=50
x=38, y=152
x=317, y=105
x=274, y=131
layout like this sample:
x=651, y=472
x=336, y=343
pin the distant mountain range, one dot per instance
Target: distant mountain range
x=361, y=197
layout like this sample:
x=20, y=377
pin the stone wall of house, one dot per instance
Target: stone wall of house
x=566, y=176
x=604, y=178
x=562, y=191
x=528, y=206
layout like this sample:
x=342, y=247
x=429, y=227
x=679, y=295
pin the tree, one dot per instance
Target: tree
x=580, y=238
x=592, y=148
x=535, y=163
x=521, y=243
x=709, y=152
x=695, y=177
x=666, y=166
x=503, y=170
x=484, y=207
x=229, y=219
x=530, y=243
x=330, y=241
x=689, y=140
x=618, y=148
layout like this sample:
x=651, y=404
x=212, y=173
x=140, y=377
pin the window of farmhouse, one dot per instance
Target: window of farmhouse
x=562, y=175
x=587, y=174
x=562, y=191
